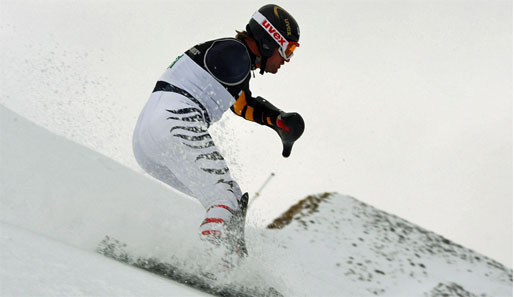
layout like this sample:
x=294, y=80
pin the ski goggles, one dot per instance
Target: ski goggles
x=285, y=48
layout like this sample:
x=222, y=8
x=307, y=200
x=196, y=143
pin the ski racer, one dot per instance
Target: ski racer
x=171, y=141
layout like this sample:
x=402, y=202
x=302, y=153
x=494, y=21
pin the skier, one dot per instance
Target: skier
x=171, y=140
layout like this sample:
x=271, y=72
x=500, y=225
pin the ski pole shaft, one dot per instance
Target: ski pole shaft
x=263, y=185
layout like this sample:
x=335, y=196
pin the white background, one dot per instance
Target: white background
x=408, y=104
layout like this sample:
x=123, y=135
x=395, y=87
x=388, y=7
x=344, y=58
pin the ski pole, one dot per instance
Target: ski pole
x=258, y=193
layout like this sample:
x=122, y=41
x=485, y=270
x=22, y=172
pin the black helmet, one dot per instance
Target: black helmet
x=264, y=26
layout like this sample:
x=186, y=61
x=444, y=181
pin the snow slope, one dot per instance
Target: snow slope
x=59, y=199
x=34, y=265
x=64, y=191
x=73, y=194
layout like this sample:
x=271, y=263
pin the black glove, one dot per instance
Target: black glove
x=289, y=126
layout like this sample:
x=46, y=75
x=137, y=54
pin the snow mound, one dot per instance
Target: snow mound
x=381, y=254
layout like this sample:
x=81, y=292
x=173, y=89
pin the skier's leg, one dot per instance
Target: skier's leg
x=191, y=155
x=172, y=143
x=144, y=145
x=205, y=173
x=159, y=171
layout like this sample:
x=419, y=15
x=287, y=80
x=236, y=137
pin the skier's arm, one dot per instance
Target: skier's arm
x=257, y=109
x=289, y=126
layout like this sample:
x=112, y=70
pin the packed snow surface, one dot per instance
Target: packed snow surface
x=35, y=265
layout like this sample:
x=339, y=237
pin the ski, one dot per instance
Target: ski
x=116, y=250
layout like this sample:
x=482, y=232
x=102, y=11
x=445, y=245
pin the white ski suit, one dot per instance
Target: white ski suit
x=171, y=140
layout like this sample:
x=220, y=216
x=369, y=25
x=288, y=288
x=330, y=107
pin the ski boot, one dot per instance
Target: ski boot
x=236, y=229
x=225, y=227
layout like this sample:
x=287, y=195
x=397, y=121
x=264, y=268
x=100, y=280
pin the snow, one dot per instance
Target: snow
x=352, y=247
x=407, y=107
x=76, y=196
x=59, y=202
x=35, y=265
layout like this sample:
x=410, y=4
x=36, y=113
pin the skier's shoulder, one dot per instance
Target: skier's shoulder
x=226, y=46
x=227, y=59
